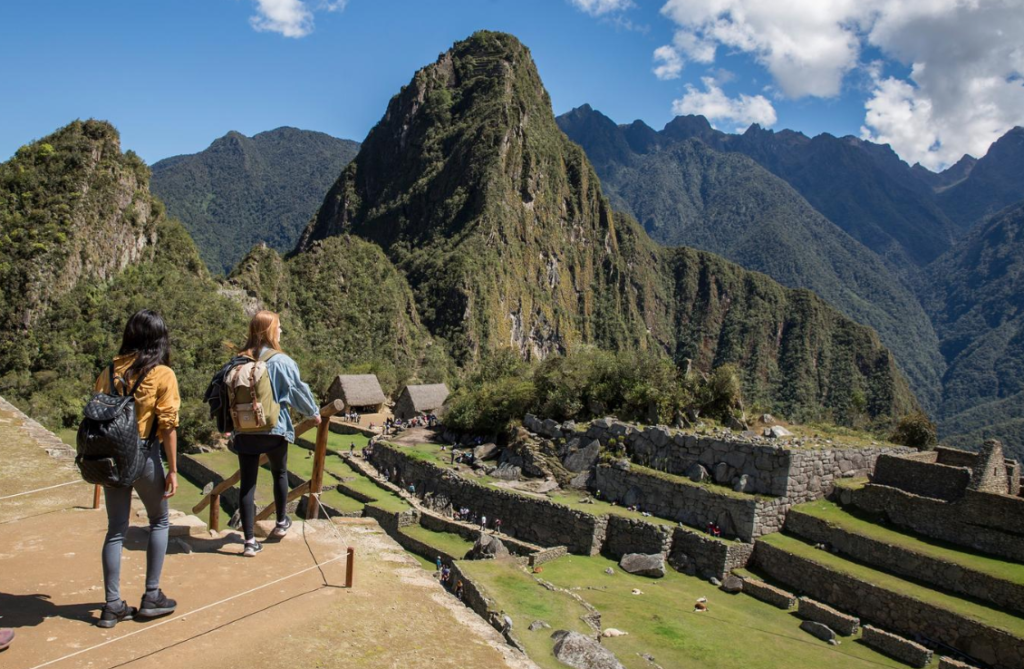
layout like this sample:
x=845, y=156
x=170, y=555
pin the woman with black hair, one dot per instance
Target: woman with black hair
x=144, y=358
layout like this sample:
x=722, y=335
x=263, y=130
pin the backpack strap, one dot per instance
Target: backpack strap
x=138, y=382
x=268, y=354
x=113, y=388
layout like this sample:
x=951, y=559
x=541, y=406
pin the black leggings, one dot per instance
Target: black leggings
x=249, y=465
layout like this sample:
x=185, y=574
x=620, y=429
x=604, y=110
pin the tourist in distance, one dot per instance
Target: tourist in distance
x=142, y=365
x=289, y=391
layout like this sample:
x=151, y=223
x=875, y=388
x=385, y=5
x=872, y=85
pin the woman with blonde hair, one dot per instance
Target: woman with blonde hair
x=289, y=391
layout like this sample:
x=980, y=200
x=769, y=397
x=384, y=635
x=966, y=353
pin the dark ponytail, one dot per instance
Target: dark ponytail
x=146, y=335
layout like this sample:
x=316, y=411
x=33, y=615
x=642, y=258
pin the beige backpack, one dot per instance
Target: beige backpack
x=251, y=397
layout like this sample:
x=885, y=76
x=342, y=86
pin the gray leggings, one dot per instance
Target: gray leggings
x=150, y=487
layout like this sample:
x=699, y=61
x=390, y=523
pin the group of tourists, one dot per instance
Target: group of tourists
x=251, y=397
x=464, y=515
x=350, y=416
x=445, y=576
x=396, y=425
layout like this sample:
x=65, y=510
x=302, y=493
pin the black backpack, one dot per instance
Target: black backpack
x=110, y=451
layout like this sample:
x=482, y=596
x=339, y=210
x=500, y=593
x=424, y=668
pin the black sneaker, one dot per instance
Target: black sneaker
x=251, y=549
x=282, y=527
x=156, y=605
x=112, y=616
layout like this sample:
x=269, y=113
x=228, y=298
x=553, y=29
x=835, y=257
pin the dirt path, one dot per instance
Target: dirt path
x=395, y=616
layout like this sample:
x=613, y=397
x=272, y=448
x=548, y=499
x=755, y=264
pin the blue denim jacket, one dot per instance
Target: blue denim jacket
x=289, y=391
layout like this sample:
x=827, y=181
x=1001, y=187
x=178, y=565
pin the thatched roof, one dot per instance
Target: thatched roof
x=358, y=390
x=427, y=397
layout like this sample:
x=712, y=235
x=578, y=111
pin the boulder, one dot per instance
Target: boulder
x=722, y=472
x=643, y=565
x=622, y=465
x=823, y=632
x=584, y=458
x=777, y=432
x=741, y=483
x=734, y=423
x=633, y=496
x=487, y=547
x=732, y=584
x=609, y=571
x=582, y=652
x=714, y=581
x=580, y=481
x=507, y=472
x=538, y=625
x=696, y=473
x=485, y=452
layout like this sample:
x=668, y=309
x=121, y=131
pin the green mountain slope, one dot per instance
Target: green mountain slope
x=976, y=298
x=78, y=213
x=498, y=221
x=995, y=181
x=242, y=191
x=688, y=193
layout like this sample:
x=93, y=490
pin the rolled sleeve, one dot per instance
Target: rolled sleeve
x=299, y=395
x=168, y=402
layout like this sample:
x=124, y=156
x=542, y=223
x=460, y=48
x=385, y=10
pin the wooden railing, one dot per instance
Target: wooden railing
x=312, y=486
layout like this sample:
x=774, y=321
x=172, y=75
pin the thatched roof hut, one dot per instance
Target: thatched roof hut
x=418, y=400
x=361, y=392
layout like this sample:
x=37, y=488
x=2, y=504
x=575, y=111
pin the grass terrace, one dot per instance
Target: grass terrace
x=340, y=470
x=970, y=609
x=713, y=488
x=661, y=621
x=447, y=542
x=863, y=526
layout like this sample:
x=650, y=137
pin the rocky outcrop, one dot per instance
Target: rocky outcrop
x=643, y=565
x=488, y=547
x=582, y=652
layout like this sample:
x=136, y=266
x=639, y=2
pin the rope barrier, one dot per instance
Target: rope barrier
x=32, y=492
x=189, y=613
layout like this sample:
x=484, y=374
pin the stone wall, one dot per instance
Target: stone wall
x=627, y=535
x=954, y=457
x=891, y=610
x=483, y=605
x=904, y=562
x=537, y=521
x=990, y=523
x=923, y=476
x=769, y=594
x=950, y=663
x=897, y=647
x=441, y=524
x=798, y=473
x=743, y=516
x=838, y=622
x=702, y=555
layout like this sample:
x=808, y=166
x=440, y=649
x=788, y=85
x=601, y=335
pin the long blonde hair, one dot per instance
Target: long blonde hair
x=262, y=332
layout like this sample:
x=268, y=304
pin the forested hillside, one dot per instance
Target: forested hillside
x=500, y=225
x=242, y=191
x=688, y=193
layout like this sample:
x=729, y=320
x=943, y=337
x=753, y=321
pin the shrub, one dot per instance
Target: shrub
x=915, y=430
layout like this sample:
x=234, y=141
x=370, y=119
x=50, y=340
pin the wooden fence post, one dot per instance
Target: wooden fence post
x=214, y=513
x=96, y=497
x=316, y=481
x=350, y=565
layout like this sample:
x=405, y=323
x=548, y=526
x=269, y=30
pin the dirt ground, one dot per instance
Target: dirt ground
x=274, y=610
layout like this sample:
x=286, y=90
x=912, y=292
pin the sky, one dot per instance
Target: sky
x=935, y=79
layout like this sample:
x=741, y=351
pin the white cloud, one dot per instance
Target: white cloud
x=714, y=104
x=601, y=7
x=669, y=63
x=967, y=63
x=291, y=18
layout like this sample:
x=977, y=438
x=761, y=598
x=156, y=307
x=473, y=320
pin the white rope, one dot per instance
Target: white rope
x=189, y=613
x=32, y=492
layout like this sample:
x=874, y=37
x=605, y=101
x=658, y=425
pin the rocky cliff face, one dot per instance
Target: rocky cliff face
x=499, y=223
x=72, y=208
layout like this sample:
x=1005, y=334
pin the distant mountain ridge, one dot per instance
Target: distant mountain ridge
x=685, y=192
x=995, y=181
x=243, y=191
x=863, y=188
x=499, y=223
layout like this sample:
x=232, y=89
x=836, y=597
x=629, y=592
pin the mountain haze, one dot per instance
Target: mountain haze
x=243, y=191
x=685, y=192
x=499, y=223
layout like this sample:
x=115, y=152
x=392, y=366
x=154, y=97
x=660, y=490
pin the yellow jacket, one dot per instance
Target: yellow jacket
x=157, y=394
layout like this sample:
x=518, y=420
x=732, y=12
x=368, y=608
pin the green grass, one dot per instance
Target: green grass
x=519, y=595
x=341, y=502
x=187, y=496
x=712, y=488
x=340, y=470
x=985, y=614
x=335, y=442
x=68, y=435
x=450, y=543
x=851, y=484
x=995, y=567
x=736, y=631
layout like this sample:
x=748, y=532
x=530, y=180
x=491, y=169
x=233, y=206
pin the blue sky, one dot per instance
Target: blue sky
x=173, y=75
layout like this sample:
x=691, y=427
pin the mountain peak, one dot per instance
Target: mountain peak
x=684, y=127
